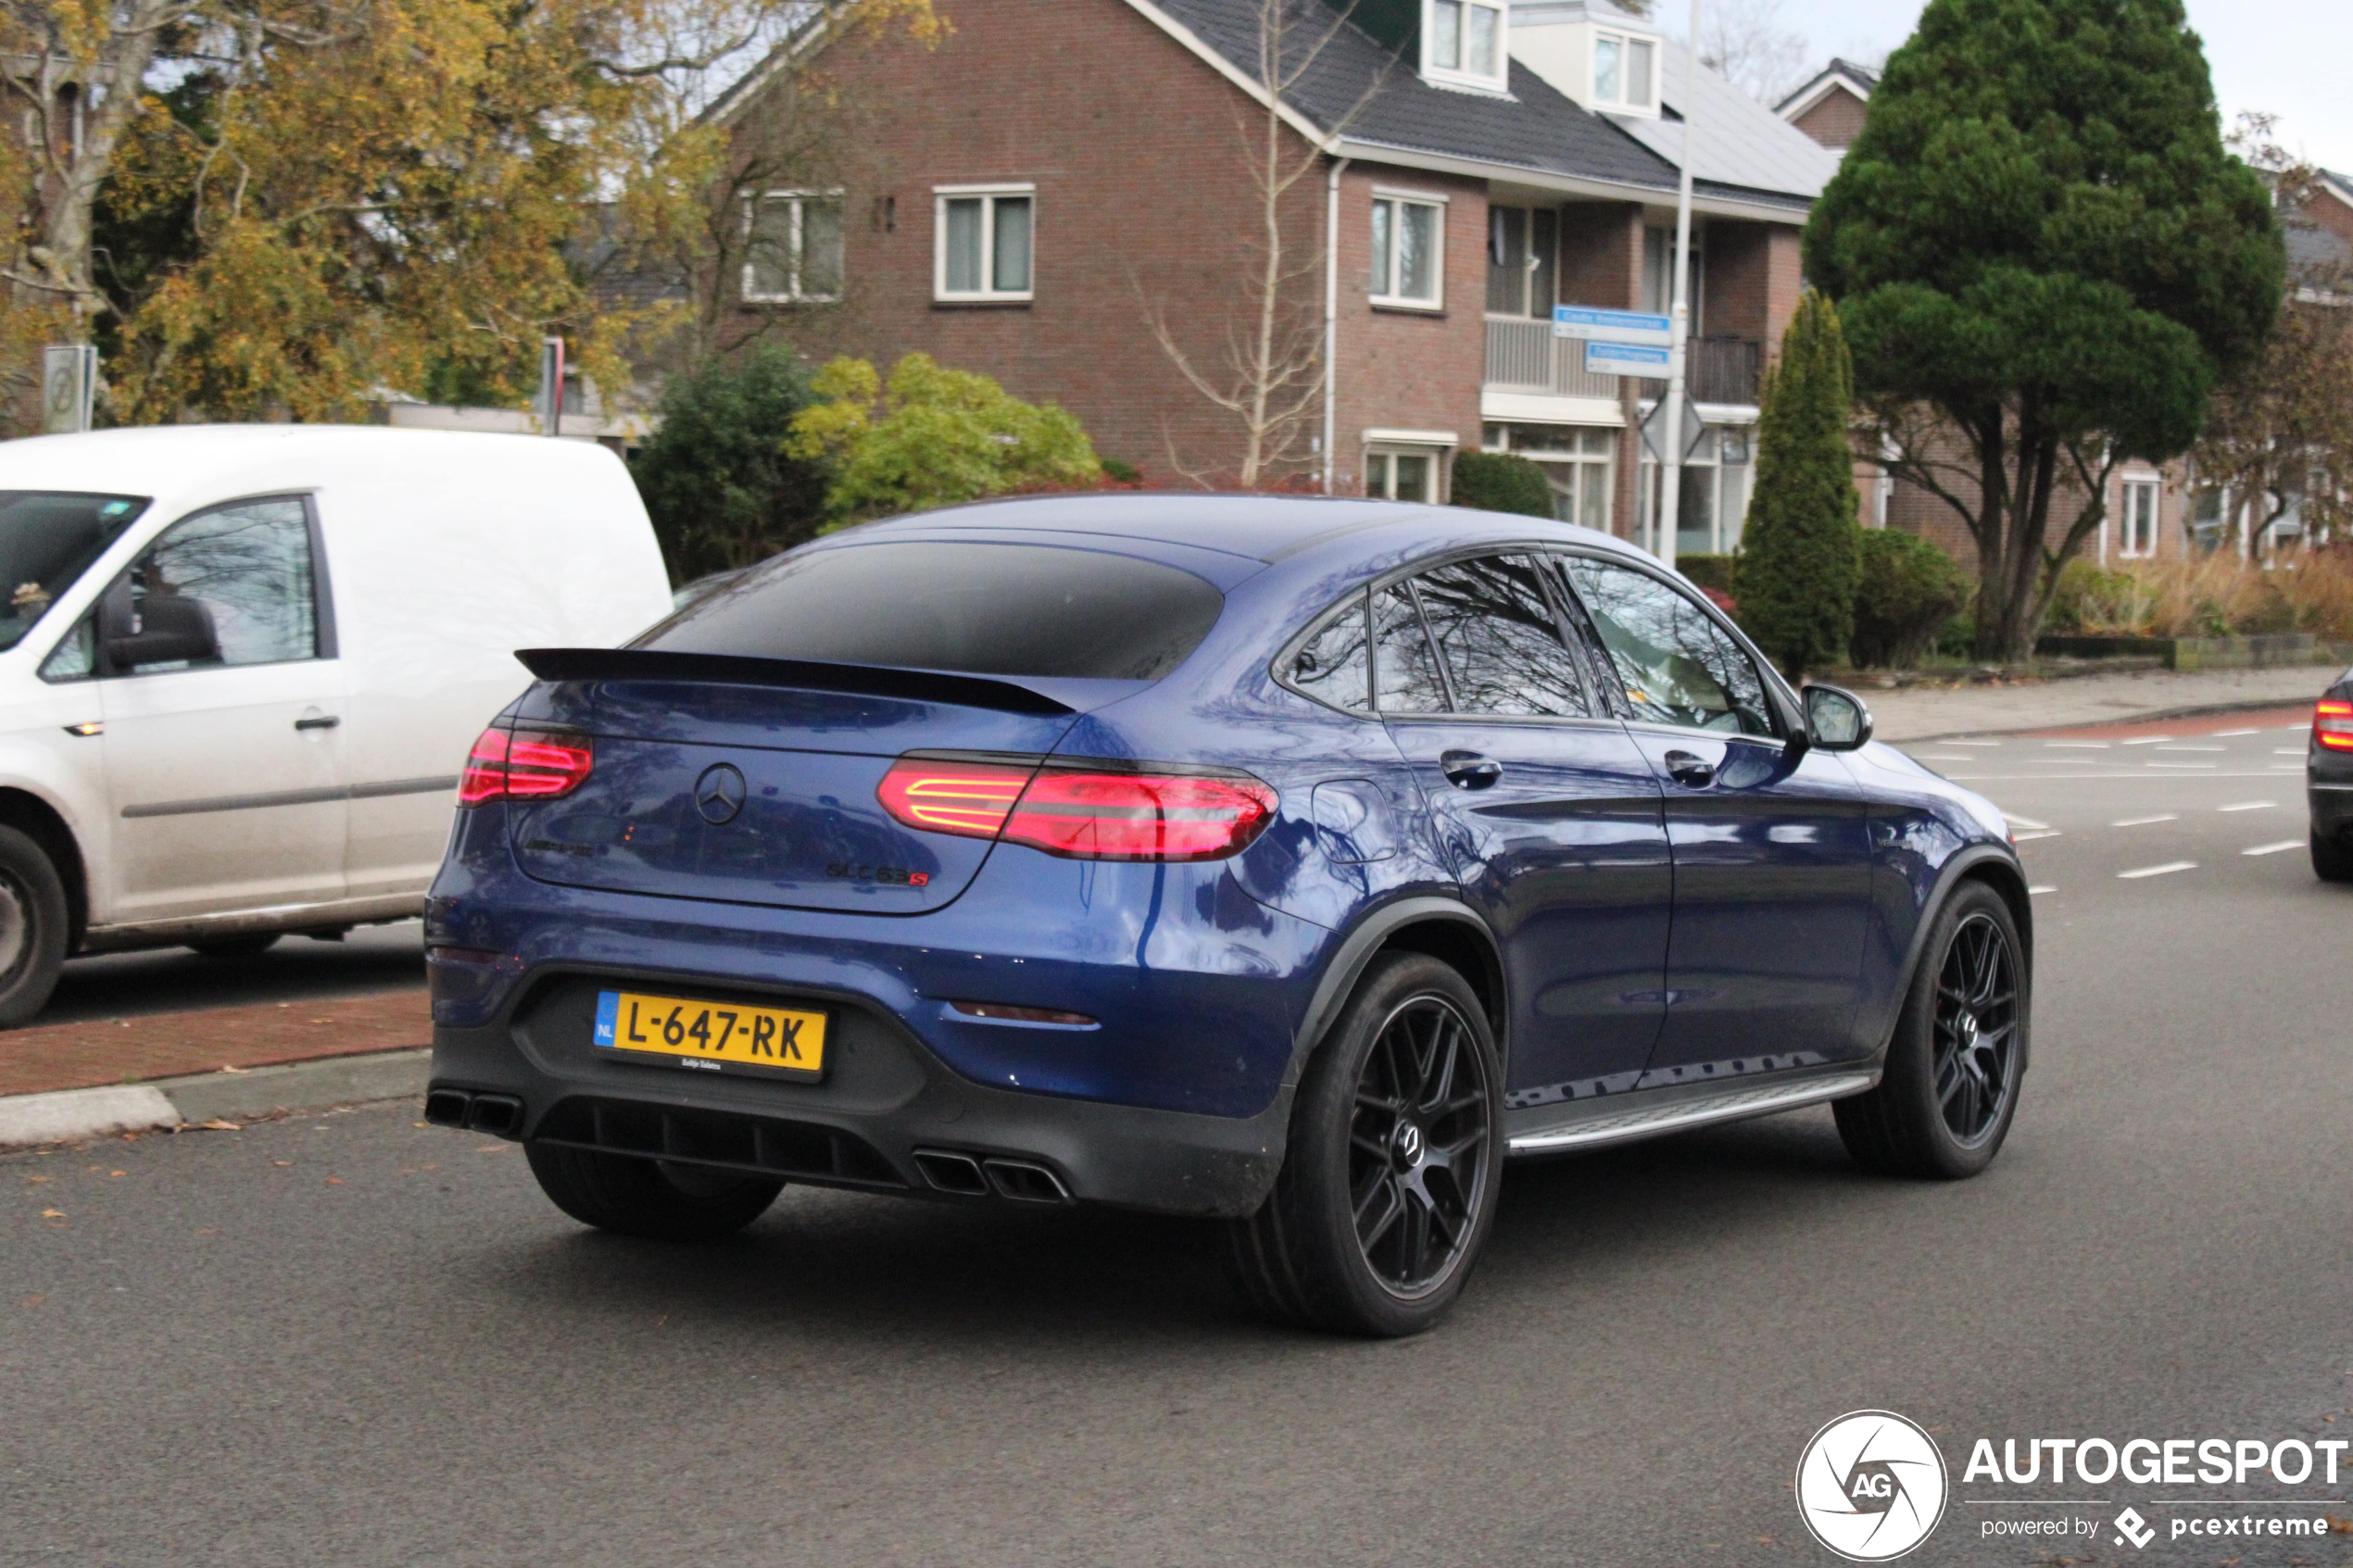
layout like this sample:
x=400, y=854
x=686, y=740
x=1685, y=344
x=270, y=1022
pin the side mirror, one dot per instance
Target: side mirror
x=171, y=630
x=1836, y=718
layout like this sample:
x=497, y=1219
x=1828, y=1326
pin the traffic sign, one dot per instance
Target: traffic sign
x=1625, y=326
x=1607, y=358
x=1655, y=431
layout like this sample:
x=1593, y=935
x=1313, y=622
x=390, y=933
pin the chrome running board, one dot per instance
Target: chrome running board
x=1624, y=1126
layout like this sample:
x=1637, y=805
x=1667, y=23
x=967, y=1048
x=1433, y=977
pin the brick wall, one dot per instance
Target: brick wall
x=1836, y=121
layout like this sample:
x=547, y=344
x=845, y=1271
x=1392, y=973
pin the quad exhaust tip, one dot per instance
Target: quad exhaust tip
x=499, y=1115
x=966, y=1175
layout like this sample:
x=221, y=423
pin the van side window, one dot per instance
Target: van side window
x=230, y=587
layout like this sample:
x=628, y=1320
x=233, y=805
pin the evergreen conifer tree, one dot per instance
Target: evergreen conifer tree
x=1800, y=563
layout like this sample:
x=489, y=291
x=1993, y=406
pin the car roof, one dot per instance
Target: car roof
x=174, y=459
x=1251, y=527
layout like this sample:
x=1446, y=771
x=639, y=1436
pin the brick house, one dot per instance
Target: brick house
x=1830, y=109
x=1032, y=195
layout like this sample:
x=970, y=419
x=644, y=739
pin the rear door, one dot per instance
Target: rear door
x=224, y=772
x=1772, y=855
x=1549, y=814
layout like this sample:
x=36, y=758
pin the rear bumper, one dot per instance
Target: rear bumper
x=887, y=1100
x=2332, y=804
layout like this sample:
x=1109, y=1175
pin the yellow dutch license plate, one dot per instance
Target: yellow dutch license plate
x=708, y=1034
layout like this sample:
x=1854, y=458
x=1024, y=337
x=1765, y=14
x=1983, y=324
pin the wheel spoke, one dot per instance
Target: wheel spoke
x=1369, y=1236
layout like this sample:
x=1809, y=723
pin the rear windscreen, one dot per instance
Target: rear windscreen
x=974, y=608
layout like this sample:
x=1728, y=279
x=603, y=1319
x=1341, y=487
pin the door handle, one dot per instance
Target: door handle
x=1694, y=772
x=325, y=721
x=1468, y=769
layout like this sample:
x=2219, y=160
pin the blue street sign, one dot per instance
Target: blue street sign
x=1602, y=358
x=1626, y=326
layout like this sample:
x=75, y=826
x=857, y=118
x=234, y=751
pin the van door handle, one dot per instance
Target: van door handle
x=325, y=721
x=1468, y=769
x=1696, y=772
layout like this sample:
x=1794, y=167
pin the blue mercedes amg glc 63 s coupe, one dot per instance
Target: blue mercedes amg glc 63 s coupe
x=1291, y=861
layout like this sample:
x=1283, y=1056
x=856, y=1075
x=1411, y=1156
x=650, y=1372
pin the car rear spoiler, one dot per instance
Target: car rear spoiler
x=800, y=674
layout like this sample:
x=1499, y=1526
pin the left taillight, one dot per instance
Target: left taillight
x=1082, y=814
x=526, y=764
x=2333, y=724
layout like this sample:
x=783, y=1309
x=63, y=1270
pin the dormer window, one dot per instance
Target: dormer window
x=1625, y=72
x=1463, y=41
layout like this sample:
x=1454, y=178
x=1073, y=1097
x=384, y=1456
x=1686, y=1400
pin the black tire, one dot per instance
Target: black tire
x=2332, y=858
x=1398, y=1055
x=1959, y=1051
x=32, y=928
x=245, y=946
x=649, y=1197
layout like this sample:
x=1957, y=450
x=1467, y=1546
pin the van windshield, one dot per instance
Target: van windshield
x=47, y=539
x=975, y=609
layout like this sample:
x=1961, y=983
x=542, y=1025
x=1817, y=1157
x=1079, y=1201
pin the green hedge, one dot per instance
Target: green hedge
x=1497, y=481
x=1909, y=590
x=1707, y=571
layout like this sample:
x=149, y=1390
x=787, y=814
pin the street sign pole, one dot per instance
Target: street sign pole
x=1668, y=515
x=552, y=387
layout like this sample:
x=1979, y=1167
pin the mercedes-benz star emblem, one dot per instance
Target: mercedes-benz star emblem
x=718, y=794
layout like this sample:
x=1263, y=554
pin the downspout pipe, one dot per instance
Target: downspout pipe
x=1332, y=322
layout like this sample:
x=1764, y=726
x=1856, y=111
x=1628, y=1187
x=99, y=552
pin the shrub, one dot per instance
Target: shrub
x=1707, y=571
x=933, y=437
x=1799, y=561
x=720, y=490
x=1909, y=589
x=1958, y=638
x=2093, y=601
x=1498, y=482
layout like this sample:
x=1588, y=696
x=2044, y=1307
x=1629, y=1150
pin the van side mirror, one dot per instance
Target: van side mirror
x=1836, y=718
x=171, y=630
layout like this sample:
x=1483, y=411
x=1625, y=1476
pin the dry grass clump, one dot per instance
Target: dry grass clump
x=2214, y=596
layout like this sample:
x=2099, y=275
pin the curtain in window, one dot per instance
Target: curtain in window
x=768, y=250
x=1416, y=251
x=1637, y=73
x=1384, y=216
x=963, y=244
x=1445, y=44
x=821, y=248
x=1479, y=48
x=1012, y=268
x=1605, y=71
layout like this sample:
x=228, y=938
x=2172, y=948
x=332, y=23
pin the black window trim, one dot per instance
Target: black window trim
x=325, y=643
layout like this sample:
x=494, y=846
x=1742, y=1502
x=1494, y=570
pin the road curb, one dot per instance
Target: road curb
x=65, y=1115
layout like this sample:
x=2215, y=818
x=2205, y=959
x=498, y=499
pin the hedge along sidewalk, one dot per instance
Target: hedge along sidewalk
x=1922, y=713
x=84, y=1080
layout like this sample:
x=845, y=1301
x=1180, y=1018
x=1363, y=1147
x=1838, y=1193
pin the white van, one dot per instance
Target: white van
x=241, y=666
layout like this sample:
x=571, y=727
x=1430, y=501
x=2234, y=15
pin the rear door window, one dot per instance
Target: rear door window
x=1495, y=629
x=972, y=608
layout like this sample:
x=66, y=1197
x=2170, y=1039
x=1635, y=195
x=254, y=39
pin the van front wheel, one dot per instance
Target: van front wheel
x=32, y=928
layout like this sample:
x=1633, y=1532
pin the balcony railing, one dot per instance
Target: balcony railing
x=1718, y=369
x=1524, y=356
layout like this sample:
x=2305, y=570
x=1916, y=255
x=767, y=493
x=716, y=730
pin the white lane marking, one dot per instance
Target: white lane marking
x=2249, y=806
x=2018, y=821
x=2076, y=745
x=2028, y=838
x=2274, y=848
x=2222, y=734
x=2147, y=740
x=2302, y=724
x=2166, y=869
x=2177, y=764
x=2287, y=767
x=1943, y=757
x=2143, y=821
x=2045, y=887
x=1970, y=743
x=2288, y=750
x=2192, y=749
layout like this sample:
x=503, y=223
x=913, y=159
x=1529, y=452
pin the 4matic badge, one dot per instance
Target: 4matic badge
x=1871, y=1486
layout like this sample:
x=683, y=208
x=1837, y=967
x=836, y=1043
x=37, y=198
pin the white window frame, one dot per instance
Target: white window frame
x=1587, y=447
x=1437, y=446
x=1461, y=75
x=941, y=195
x=2127, y=535
x=794, y=294
x=1623, y=104
x=1393, y=301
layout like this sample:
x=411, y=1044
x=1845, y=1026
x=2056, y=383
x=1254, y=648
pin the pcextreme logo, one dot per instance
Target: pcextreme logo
x=1870, y=1485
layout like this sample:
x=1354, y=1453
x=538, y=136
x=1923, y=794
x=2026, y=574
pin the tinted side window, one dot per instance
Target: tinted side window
x=1677, y=667
x=243, y=572
x=1334, y=665
x=1502, y=646
x=1408, y=674
x=975, y=609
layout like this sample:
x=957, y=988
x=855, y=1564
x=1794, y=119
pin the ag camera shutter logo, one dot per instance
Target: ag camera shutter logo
x=1871, y=1486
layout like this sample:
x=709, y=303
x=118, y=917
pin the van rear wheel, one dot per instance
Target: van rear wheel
x=32, y=928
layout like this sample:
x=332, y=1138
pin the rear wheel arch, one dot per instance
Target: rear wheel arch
x=1443, y=928
x=39, y=821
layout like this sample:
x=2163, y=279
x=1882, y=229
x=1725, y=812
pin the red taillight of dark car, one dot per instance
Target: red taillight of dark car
x=526, y=765
x=1079, y=813
x=2333, y=724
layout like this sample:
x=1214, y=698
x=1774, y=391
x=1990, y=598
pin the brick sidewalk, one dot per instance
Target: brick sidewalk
x=76, y=1056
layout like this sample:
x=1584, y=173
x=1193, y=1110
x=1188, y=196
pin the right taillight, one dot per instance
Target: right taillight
x=1082, y=813
x=2333, y=724
x=525, y=765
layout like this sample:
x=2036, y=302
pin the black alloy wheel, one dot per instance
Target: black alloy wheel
x=1417, y=1163
x=1949, y=1084
x=1387, y=1187
x=1976, y=1030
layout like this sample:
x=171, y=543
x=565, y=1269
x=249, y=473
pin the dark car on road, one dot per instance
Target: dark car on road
x=2328, y=770
x=1288, y=861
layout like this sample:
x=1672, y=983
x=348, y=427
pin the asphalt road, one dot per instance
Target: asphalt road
x=370, y=958
x=349, y=1339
